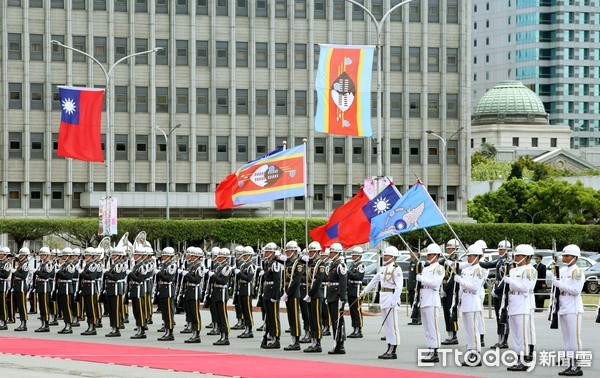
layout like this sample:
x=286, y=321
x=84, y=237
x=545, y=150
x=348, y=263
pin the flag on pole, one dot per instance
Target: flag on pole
x=343, y=88
x=79, y=134
x=413, y=211
x=275, y=176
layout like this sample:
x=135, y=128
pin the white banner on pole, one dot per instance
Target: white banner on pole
x=107, y=214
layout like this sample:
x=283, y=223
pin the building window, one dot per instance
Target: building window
x=222, y=58
x=300, y=9
x=141, y=99
x=358, y=148
x=319, y=156
x=338, y=195
x=37, y=96
x=414, y=105
x=58, y=52
x=37, y=145
x=261, y=146
x=162, y=99
x=515, y=142
x=281, y=103
x=262, y=102
x=281, y=55
x=222, y=101
x=300, y=103
x=451, y=60
x=100, y=49
x=414, y=11
x=281, y=8
x=201, y=100
x=319, y=194
x=241, y=101
x=201, y=148
x=262, y=55
x=55, y=146
x=396, y=150
x=338, y=150
x=120, y=48
x=202, y=53
x=553, y=142
x=241, y=8
x=182, y=100
x=395, y=58
x=222, y=9
x=241, y=54
x=414, y=146
x=121, y=146
x=433, y=105
x=433, y=12
x=433, y=59
x=141, y=147
x=181, y=49
x=78, y=188
x=452, y=106
x=162, y=6
x=121, y=99
x=15, y=96
x=57, y=201
x=452, y=152
x=320, y=10
x=183, y=153
x=241, y=148
x=181, y=7
x=141, y=45
x=339, y=9
x=202, y=7
x=222, y=148
x=14, y=195
x=35, y=195
x=534, y=142
x=36, y=47
x=261, y=8
x=162, y=56
x=414, y=59
x=300, y=55
x=396, y=105
x=433, y=151
x=14, y=46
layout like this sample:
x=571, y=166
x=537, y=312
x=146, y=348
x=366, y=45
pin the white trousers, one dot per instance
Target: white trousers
x=429, y=318
x=532, y=335
x=471, y=330
x=520, y=332
x=390, y=327
x=570, y=327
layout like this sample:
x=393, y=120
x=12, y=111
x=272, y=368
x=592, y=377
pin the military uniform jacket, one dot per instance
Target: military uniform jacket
x=431, y=280
x=337, y=282
x=137, y=281
x=245, y=278
x=88, y=279
x=521, y=283
x=219, y=280
x=414, y=268
x=501, y=266
x=193, y=282
x=316, y=276
x=570, y=286
x=64, y=279
x=165, y=279
x=149, y=281
x=292, y=276
x=392, y=280
x=42, y=278
x=115, y=280
x=355, y=276
x=20, y=277
x=449, y=272
x=272, y=280
x=5, y=269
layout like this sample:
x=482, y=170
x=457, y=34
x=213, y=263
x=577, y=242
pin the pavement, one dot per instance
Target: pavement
x=358, y=351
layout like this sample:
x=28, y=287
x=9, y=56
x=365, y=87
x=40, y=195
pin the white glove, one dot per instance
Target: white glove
x=262, y=272
x=361, y=294
x=507, y=280
x=284, y=297
x=282, y=258
x=13, y=270
x=237, y=271
x=555, y=282
x=273, y=300
x=179, y=271
x=183, y=273
x=448, y=263
x=211, y=273
x=340, y=305
x=419, y=277
x=127, y=271
x=457, y=279
x=307, y=299
x=305, y=258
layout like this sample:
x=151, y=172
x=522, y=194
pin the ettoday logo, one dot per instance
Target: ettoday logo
x=489, y=358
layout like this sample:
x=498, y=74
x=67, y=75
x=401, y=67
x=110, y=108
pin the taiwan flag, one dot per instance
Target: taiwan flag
x=79, y=135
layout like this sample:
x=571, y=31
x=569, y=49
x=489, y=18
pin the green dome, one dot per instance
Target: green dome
x=510, y=102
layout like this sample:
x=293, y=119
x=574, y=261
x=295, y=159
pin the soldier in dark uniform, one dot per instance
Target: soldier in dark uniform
x=137, y=290
x=75, y=259
x=337, y=289
x=325, y=316
x=5, y=271
x=42, y=283
x=53, y=305
x=165, y=279
x=304, y=310
x=450, y=290
x=411, y=283
x=115, y=289
x=314, y=297
x=271, y=295
x=246, y=273
x=88, y=281
x=64, y=289
x=220, y=294
x=208, y=288
x=235, y=288
x=193, y=290
x=20, y=287
x=356, y=273
x=292, y=276
x=149, y=261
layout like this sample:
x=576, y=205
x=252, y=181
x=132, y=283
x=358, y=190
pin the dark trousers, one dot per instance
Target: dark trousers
x=64, y=307
x=325, y=318
x=315, y=318
x=305, y=315
x=166, y=309
x=238, y=308
x=3, y=307
x=20, y=304
x=214, y=312
x=114, y=304
x=540, y=297
x=356, y=312
x=33, y=303
x=139, y=311
x=90, y=306
x=451, y=326
x=272, y=317
x=293, y=315
x=337, y=323
x=411, y=300
x=147, y=302
x=45, y=303
x=222, y=318
x=192, y=312
x=246, y=308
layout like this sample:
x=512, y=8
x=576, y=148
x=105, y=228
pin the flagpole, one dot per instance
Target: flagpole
x=305, y=202
x=284, y=209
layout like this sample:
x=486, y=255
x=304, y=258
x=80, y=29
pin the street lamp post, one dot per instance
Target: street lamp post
x=167, y=135
x=378, y=28
x=530, y=215
x=108, y=94
x=444, y=167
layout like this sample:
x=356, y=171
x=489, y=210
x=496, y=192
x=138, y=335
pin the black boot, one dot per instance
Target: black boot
x=66, y=330
x=224, y=340
x=326, y=331
x=473, y=359
x=114, y=332
x=52, y=321
x=195, y=339
x=261, y=328
x=239, y=325
x=450, y=340
x=339, y=349
x=305, y=339
x=215, y=330
x=187, y=329
x=295, y=345
x=529, y=356
x=44, y=327
x=247, y=334
x=357, y=334
x=3, y=326
x=274, y=344
x=387, y=354
x=168, y=336
x=432, y=357
x=75, y=322
x=315, y=347
x=482, y=338
x=22, y=327
x=91, y=331
x=504, y=343
x=211, y=325
x=141, y=334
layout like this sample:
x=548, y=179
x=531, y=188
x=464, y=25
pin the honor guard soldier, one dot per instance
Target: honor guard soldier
x=137, y=290
x=471, y=280
x=20, y=287
x=429, y=300
x=414, y=268
x=208, y=288
x=149, y=285
x=304, y=307
x=502, y=266
x=42, y=279
x=271, y=295
x=449, y=291
x=246, y=272
x=325, y=316
x=238, y=250
x=292, y=276
x=75, y=259
x=220, y=294
x=182, y=272
x=165, y=281
x=356, y=273
x=570, y=310
x=532, y=333
x=115, y=289
x=5, y=272
x=194, y=276
x=337, y=288
x=88, y=281
x=53, y=259
x=64, y=289
x=314, y=297
x=391, y=281
x=521, y=282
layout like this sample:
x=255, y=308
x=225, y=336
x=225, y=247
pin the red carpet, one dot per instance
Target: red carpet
x=197, y=361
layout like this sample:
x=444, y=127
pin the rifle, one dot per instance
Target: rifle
x=414, y=314
x=598, y=316
x=454, y=307
x=503, y=318
x=554, y=303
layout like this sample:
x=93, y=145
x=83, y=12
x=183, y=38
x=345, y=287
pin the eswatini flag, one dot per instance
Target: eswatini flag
x=344, y=90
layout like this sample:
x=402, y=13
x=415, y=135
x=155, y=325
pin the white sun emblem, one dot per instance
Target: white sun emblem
x=381, y=205
x=68, y=105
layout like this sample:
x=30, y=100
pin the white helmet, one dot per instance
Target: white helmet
x=149, y=250
x=199, y=251
x=481, y=243
x=504, y=244
x=357, y=251
x=336, y=248
x=168, y=251
x=5, y=250
x=224, y=252
x=391, y=251
x=120, y=251
x=314, y=246
x=572, y=250
x=44, y=251
x=88, y=251
x=270, y=247
x=239, y=249
x=292, y=245
x=248, y=250
x=24, y=251
x=76, y=252
x=140, y=250
x=66, y=252
x=433, y=249
x=452, y=243
x=475, y=249
x=215, y=251
x=524, y=249
x=324, y=252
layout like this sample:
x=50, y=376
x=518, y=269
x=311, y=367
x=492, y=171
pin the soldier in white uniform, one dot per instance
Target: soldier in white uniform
x=570, y=309
x=471, y=281
x=429, y=300
x=521, y=283
x=391, y=279
x=532, y=334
